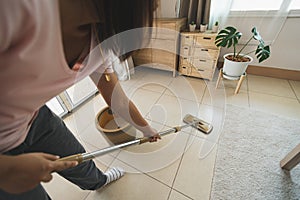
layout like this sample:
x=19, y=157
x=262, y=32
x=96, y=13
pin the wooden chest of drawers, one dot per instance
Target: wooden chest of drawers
x=198, y=54
x=162, y=51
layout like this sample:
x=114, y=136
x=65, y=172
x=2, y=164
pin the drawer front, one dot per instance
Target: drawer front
x=187, y=40
x=167, y=45
x=206, y=53
x=163, y=57
x=184, y=69
x=142, y=56
x=162, y=66
x=185, y=61
x=203, y=64
x=205, y=41
x=201, y=73
x=168, y=25
x=164, y=30
x=185, y=51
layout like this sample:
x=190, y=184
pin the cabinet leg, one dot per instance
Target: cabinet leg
x=219, y=78
x=239, y=84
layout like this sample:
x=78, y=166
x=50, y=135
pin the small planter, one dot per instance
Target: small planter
x=114, y=129
x=233, y=69
x=203, y=27
x=192, y=27
x=215, y=28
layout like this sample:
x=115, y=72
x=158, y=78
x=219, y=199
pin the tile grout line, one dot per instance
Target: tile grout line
x=181, y=158
x=85, y=198
x=294, y=91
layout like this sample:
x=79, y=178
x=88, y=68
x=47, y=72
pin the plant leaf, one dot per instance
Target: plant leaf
x=262, y=52
x=228, y=37
x=256, y=35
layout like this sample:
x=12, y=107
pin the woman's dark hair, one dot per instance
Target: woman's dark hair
x=124, y=15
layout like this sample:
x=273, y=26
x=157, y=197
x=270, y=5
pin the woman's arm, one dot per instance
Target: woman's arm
x=115, y=97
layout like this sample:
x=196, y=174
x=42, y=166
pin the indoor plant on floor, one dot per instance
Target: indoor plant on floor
x=236, y=63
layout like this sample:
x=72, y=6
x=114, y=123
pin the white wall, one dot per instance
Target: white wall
x=285, y=53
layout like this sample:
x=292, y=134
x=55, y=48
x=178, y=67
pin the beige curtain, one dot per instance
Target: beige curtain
x=197, y=11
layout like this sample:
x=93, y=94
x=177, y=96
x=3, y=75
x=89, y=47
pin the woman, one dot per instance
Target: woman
x=45, y=47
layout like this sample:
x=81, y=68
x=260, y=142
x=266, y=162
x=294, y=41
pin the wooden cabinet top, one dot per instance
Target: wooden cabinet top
x=198, y=33
x=171, y=23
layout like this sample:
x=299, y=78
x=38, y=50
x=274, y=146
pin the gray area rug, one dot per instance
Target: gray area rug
x=250, y=148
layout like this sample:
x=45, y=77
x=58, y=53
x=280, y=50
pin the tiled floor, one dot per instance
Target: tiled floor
x=173, y=168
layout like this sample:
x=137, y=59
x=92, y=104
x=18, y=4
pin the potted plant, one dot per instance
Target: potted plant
x=215, y=27
x=236, y=63
x=192, y=26
x=203, y=27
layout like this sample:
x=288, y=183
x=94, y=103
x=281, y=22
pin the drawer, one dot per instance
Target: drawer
x=165, y=67
x=205, y=41
x=204, y=64
x=206, y=53
x=184, y=69
x=185, y=51
x=201, y=73
x=186, y=40
x=163, y=33
x=142, y=56
x=163, y=57
x=167, y=45
x=168, y=25
x=185, y=61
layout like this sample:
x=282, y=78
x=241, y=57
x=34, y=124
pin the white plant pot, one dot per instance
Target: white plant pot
x=215, y=29
x=203, y=27
x=192, y=27
x=234, y=69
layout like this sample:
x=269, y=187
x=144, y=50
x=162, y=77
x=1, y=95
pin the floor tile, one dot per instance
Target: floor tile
x=288, y=107
x=155, y=87
x=144, y=99
x=296, y=87
x=85, y=114
x=177, y=196
x=195, y=175
x=171, y=110
x=154, y=76
x=187, y=88
x=232, y=84
x=152, y=157
x=133, y=186
x=132, y=82
x=60, y=188
x=94, y=140
x=273, y=86
x=240, y=99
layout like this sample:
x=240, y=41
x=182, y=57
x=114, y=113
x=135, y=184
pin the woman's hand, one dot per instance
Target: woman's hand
x=151, y=133
x=24, y=172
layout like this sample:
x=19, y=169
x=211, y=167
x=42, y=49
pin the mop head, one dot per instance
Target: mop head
x=201, y=125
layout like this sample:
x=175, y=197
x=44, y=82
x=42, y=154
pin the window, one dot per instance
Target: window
x=255, y=5
x=295, y=5
x=260, y=5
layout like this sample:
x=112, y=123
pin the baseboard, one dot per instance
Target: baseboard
x=271, y=72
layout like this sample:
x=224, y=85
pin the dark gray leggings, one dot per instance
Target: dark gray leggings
x=49, y=134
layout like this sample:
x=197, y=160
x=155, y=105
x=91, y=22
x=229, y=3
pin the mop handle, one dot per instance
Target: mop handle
x=88, y=156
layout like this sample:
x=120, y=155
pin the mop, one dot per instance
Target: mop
x=190, y=120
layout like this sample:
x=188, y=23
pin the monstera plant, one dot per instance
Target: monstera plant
x=229, y=37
